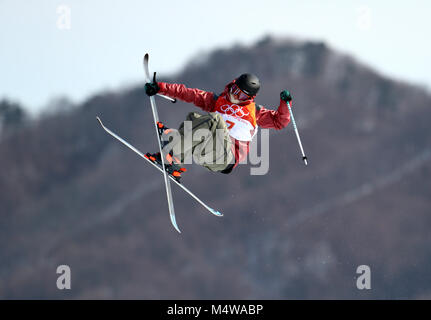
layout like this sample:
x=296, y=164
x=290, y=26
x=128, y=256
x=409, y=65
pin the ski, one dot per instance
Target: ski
x=142, y=155
x=165, y=174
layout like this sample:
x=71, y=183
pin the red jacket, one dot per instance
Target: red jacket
x=265, y=118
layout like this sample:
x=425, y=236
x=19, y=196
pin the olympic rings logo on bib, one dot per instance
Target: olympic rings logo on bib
x=234, y=110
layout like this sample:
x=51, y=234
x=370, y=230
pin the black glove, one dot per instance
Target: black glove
x=151, y=88
x=286, y=96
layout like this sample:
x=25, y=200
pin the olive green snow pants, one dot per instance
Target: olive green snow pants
x=203, y=139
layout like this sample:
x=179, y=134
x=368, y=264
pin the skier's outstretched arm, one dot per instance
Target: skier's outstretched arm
x=200, y=98
x=275, y=119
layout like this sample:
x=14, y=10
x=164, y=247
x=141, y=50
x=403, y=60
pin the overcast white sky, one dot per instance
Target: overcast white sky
x=104, y=45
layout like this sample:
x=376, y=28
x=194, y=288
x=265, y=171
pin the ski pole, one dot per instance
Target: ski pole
x=304, y=158
x=167, y=98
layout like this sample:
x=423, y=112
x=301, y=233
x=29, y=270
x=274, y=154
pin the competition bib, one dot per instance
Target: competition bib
x=240, y=119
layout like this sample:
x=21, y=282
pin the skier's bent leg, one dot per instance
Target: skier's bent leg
x=205, y=139
x=213, y=149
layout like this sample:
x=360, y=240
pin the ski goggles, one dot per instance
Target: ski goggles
x=237, y=93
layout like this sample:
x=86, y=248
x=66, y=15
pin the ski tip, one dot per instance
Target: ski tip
x=305, y=160
x=176, y=228
x=100, y=122
x=174, y=223
x=216, y=213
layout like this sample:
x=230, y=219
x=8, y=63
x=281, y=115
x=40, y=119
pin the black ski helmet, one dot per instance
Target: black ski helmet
x=248, y=83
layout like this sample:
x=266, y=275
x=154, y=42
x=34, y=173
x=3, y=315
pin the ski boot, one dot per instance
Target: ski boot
x=161, y=128
x=172, y=164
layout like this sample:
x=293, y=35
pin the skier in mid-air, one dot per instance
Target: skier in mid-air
x=223, y=133
x=233, y=113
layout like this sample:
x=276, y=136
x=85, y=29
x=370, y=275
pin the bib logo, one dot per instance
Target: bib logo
x=234, y=110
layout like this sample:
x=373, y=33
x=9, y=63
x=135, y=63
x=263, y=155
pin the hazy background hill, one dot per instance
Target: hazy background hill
x=70, y=194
